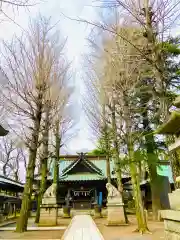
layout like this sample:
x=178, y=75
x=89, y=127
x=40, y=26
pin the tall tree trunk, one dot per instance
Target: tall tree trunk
x=24, y=213
x=117, y=159
x=106, y=139
x=158, y=63
x=44, y=160
x=4, y=169
x=140, y=214
x=16, y=177
x=57, y=151
x=152, y=161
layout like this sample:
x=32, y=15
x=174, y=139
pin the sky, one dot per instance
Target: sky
x=76, y=46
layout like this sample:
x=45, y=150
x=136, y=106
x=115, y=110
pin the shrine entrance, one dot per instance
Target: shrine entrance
x=82, y=198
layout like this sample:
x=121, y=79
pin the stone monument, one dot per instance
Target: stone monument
x=49, y=207
x=172, y=217
x=115, y=211
x=174, y=198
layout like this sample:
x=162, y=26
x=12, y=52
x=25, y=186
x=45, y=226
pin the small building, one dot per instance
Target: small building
x=10, y=195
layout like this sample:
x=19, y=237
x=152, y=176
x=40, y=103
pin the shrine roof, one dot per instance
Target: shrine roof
x=7, y=183
x=172, y=126
x=82, y=159
x=177, y=102
x=3, y=131
x=100, y=164
x=82, y=177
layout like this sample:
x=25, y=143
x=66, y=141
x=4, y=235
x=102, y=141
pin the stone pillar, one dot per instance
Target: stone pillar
x=48, y=215
x=174, y=199
x=115, y=211
x=172, y=217
x=49, y=207
x=171, y=224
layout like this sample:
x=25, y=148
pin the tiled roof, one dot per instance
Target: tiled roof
x=171, y=126
x=8, y=181
x=88, y=164
x=99, y=163
x=82, y=177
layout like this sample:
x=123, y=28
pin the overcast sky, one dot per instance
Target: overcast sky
x=76, y=47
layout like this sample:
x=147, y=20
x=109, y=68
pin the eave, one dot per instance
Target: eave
x=3, y=132
x=176, y=103
x=172, y=127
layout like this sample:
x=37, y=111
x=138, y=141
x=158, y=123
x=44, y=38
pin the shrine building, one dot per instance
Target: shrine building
x=83, y=178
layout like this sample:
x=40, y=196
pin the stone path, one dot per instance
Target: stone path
x=34, y=228
x=82, y=227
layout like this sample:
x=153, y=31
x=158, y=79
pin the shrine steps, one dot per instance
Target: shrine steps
x=75, y=212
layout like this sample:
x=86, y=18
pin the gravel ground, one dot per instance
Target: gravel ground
x=35, y=235
x=126, y=232
x=32, y=235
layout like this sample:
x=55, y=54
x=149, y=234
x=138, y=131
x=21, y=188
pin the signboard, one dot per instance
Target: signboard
x=81, y=193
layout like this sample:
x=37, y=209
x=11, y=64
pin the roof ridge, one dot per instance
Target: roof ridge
x=85, y=161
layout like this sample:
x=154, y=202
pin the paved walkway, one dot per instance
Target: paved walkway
x=53, y=228
x=82, y=227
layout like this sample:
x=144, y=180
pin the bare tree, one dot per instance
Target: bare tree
x=62, y=124
x=125, y=70
x=30, y=60
x=14, y=5
x=95, y=104
x=11, y=157
x=7, y=148
x=122, y=67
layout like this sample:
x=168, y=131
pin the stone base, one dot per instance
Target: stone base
x=174, y=199
x=115, y=215
x=49, y=201
x=171, y=224
x=171, y=236
x=48, y=215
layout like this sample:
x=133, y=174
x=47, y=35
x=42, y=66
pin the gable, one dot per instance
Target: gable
x=81, y=167
x=82, y=164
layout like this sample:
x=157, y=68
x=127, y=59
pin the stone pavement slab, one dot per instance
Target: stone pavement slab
x=34, y=228
x=82, y=227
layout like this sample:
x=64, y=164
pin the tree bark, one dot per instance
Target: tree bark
x=140, y=214
x=57, y=151
x=158, y=63
x=152, y=161
x=4, y=169
x=44, y=164
x=106, y=139
x=16, y=177
x=24, y=213
x=117, y=159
